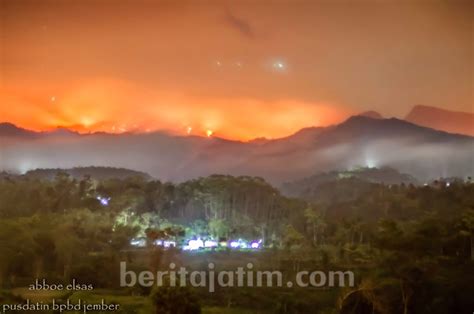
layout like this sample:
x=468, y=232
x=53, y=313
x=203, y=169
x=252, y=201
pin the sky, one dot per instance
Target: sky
x=235, y=69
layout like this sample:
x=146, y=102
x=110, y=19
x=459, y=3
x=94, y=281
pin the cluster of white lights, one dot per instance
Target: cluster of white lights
x=239, y=244
x=277, y=65
x=200, y=244
x=165, y=243
x=141, y=242
x=210, y=243
x=194, y=244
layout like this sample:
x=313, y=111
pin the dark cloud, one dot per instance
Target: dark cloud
x=239, y=24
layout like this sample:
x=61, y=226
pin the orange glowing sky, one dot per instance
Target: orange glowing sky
x=240, y=70
x=117, y=106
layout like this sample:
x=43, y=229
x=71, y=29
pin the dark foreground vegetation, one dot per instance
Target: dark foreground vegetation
x=410, y=247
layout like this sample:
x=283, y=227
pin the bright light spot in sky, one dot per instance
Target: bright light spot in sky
x=279, y=65
x=53, y=99
x=209, y=133
x=189, y=130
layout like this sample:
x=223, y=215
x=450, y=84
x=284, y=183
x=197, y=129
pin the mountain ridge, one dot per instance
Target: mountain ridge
x=441, y=119
x=11, y=129
x=359, y=140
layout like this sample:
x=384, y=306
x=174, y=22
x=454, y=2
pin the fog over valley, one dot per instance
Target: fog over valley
x=359, y=141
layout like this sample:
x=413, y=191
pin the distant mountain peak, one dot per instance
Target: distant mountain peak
x=359, y=140
x=371, y=114
x=259, y=140
x=8, y=126
x=95, y=172
x=433, y=109
x=63, y=131
x=442, y=119
x=10, y=129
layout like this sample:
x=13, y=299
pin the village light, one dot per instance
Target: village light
x=239, y=244
x=194, y=245
x=210, y=243
x=138, y=242
x=256, y=244
x=104, y=201
x=223, y=243
x=169, y=244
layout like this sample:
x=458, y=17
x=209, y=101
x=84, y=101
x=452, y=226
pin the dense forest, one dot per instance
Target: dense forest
x=411, y=246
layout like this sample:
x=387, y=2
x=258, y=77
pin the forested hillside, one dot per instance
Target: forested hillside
x=411, y=247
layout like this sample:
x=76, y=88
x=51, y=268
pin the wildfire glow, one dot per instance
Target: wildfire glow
x=117, y=106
